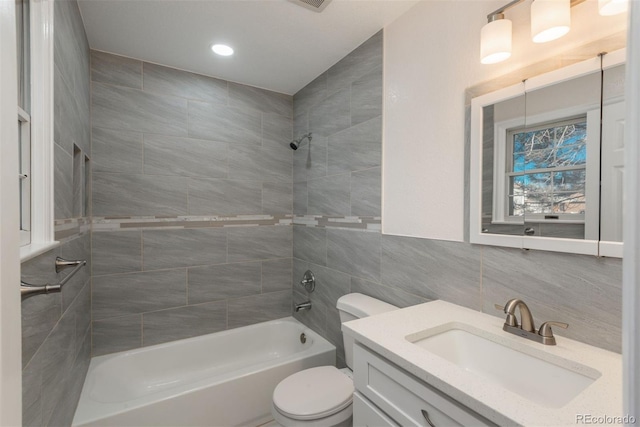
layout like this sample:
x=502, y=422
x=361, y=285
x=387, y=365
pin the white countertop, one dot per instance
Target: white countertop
x=385, y=334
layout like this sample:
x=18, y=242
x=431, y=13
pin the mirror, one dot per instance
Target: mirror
x=540, y=156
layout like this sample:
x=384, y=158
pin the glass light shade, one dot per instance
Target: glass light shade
x=495, y=41
x=612, y=7
x=550, y=19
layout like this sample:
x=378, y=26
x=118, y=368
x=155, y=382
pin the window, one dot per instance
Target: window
x=23, y=50
x=34, y=62
x=546, y=171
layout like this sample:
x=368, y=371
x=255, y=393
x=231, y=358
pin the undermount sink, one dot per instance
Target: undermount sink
x=537, y=376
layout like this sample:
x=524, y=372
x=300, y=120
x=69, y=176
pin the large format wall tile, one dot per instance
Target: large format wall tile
x=125, y=294
x=359, y=62
x=433, y=269
x=225, y=124
x=277, y=198
x=219, y=282
x=121, y=108
x=310, y=244
x=116, y=252
x=169, y=81
x=355, y=252
x=392, y=295
x=116, y=70
x=277, y=131
x=224, y=197
x=244, y=96
x=120, y=194
x=259, y=308
x=259, y=163
x=366, y=96
x=184, y=322
x=118, y=334
x=310, y=95
x=276, y=275
x=356, y=148
x=183, y=248
x=116, y=151
x=165, y=155
x=330, y=195
x=264, y=242
x=366, y=192
x=331, y=115
x=63, y=187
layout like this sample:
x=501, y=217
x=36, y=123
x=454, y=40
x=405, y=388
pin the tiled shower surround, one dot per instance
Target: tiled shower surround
x=340, y=175
x=192, y=203
x=56, y=337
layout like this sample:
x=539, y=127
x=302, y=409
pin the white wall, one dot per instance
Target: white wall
x=432, y=54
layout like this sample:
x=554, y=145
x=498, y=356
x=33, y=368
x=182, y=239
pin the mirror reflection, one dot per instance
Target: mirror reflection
x=541, y=160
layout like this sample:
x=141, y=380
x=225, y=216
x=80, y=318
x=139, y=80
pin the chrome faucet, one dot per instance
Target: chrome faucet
x=303, y=306
x=526, y=328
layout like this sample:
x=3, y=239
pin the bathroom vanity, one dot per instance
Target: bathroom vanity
x=439, y=364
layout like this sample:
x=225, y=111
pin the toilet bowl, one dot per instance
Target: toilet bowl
x=323, y=396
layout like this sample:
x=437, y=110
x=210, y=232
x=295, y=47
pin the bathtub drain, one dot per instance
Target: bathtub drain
x=303, y=338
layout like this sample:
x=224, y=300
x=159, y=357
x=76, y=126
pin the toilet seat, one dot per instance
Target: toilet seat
x=313, y=393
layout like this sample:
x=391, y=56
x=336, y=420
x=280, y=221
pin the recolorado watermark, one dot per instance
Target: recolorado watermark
x=604, y=419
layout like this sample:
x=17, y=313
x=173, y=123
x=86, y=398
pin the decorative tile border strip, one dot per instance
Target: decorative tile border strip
x=115, y=223
x=68, y=229
x=367, y=223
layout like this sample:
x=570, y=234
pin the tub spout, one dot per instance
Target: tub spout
x=303, y=306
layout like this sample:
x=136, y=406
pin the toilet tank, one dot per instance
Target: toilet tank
x=356, y=306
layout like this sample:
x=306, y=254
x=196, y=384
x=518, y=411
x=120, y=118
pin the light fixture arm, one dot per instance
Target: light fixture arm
x=500, y=11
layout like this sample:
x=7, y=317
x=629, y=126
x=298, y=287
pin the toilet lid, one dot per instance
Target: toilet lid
x=313, y=393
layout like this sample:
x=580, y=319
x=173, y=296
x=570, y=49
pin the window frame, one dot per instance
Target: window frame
x=502, y=129
x=41, y=130
x=509, y=172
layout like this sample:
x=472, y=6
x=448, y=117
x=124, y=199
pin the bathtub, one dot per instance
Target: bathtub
x=221, y=379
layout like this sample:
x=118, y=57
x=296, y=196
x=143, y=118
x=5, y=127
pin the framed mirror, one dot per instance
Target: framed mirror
x=539, y=155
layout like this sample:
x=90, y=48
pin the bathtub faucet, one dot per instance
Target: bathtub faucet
x=303, y=306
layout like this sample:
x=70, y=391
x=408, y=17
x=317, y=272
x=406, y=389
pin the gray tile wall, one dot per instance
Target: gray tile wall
x=56, y=334
x=166, y=143
x=340, y=175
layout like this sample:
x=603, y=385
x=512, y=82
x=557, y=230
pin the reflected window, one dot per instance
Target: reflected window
x=546, y=170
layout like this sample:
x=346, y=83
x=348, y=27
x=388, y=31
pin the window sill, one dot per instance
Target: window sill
x=31, y=251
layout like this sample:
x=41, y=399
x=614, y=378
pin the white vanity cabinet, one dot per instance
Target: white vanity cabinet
x=386, y=395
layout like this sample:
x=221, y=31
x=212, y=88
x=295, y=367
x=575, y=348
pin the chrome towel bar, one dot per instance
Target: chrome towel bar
x=27, y=290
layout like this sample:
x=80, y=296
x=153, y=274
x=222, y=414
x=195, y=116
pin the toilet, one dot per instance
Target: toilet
x=323, y=396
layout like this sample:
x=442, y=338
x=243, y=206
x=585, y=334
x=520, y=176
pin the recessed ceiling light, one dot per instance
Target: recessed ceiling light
x=222, y=49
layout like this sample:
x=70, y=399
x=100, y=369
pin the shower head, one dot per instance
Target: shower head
x=298, y=142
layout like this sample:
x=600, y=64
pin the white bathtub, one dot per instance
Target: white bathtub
x=221, y=379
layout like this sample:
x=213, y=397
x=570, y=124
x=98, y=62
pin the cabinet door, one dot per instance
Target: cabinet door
x=365, y=414
x=407, y=400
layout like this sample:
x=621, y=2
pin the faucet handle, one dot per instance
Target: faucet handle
x=545, y=328
x=499, y=307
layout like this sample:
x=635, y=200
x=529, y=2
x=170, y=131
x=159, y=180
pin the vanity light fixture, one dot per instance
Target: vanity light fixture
x=222, y=49
x=612, y=7
x=550, y=20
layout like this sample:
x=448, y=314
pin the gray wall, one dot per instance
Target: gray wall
x=192, y=201
x=339, y=178
x=56, y=327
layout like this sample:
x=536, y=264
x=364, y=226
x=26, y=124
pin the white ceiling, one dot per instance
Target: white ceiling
x=278, y=44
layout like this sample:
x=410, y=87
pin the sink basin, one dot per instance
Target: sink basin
x=537, y=376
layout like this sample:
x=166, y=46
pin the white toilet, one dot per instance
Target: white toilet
x=323, y=396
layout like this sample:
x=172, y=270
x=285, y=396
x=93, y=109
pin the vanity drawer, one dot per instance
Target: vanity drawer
x=365, y=414
x=404, y=397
